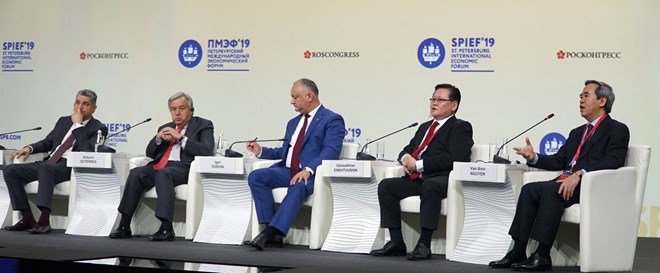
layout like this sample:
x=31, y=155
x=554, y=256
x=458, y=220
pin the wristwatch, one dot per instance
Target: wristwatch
x=579, y=173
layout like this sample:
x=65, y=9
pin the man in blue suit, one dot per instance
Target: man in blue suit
x=311, y=137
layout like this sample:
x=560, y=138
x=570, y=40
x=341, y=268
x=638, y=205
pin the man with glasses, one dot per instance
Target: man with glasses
x=601, y=143
x=427, y=161
x=173, y=149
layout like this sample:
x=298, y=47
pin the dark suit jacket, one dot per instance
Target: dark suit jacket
x=322, y=141
x=200, y=142
x=85, y=136
x=606, y=149
x=452, y=142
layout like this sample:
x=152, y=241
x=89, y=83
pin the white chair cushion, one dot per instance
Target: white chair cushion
x=62, y=189
x=180, y=192
x=572, y=214
x=412, y=204
x=280, y=193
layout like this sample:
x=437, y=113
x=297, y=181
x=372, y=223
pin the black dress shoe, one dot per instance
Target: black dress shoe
x=121, y=233
x=39, y=229
x=507, y=261
x=260, y=242
x=20, y=226
x=536, y=262
x=421, y=252
x=390, y=249
x=277, y=241
x=162, y=235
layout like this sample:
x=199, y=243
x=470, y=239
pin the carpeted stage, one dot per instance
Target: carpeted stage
x=54, y=253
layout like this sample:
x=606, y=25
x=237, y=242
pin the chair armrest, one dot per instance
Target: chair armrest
x=322, y=209
x=608, y=210
x=138, y=161
x=263, y=164
x=607, y=195
x=396, y=171
x=455, y=213
x=536, y=176
x=30, y=159
x=195, y=200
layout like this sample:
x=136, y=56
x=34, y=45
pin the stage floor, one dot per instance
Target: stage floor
x=23, y=252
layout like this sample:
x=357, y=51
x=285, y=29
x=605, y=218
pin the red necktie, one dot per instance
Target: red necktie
x=60, y=151
x=295, y=155
x=163, y=160
x=427, y=139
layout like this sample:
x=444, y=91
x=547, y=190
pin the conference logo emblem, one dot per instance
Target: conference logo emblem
x=551, y=143
x=561, y=54
x=431, y=53
x=190, y=53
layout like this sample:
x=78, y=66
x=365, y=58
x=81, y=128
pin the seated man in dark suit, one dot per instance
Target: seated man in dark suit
x=77, y=132
x=427, y=160
x=311, y=137
x=173, y=148
x=600, y=144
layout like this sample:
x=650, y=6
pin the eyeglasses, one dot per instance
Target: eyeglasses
x=438, y=100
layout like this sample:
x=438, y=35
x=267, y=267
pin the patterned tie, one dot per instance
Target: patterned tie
x=427, y=139
x=60, y=151
x=295, y=155
x=163, y=160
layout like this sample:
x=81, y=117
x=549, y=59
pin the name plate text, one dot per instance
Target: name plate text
x=89, y=160
x=348, y=168
x=226, y=165
x=478, y=172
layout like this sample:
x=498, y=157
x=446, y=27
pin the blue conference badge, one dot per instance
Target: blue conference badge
x=431, y=53
x=551, y=143
x=190, y=53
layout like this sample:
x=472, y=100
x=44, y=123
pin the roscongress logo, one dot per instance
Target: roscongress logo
x=97, y=56
x=190, y=53
x=431, y=53
x=551, y=143
x=331, y=54
x=561, y=54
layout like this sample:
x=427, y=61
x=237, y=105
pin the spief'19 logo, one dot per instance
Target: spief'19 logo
x=431, y=53
x=190, y=53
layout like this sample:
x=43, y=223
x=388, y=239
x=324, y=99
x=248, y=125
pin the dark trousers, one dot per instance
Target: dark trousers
x=263, y=181
x=431, y=192
x=539, y=212
x=48, y=175
x=143, y=178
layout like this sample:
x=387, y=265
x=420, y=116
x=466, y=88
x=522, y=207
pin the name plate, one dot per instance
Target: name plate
x=89, y=160
x=480, y=172
x=348, y=168
x=213, y=164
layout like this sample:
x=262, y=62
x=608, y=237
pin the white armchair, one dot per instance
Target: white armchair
x=600, y=233
x=411, y=205
x=313, y=221
x=63, y=197
x=187, y=210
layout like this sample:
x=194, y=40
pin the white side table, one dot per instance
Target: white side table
x=355, y=226
x=227, y=200
x=96, y=196
x=5, y=202
x=489, y=195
